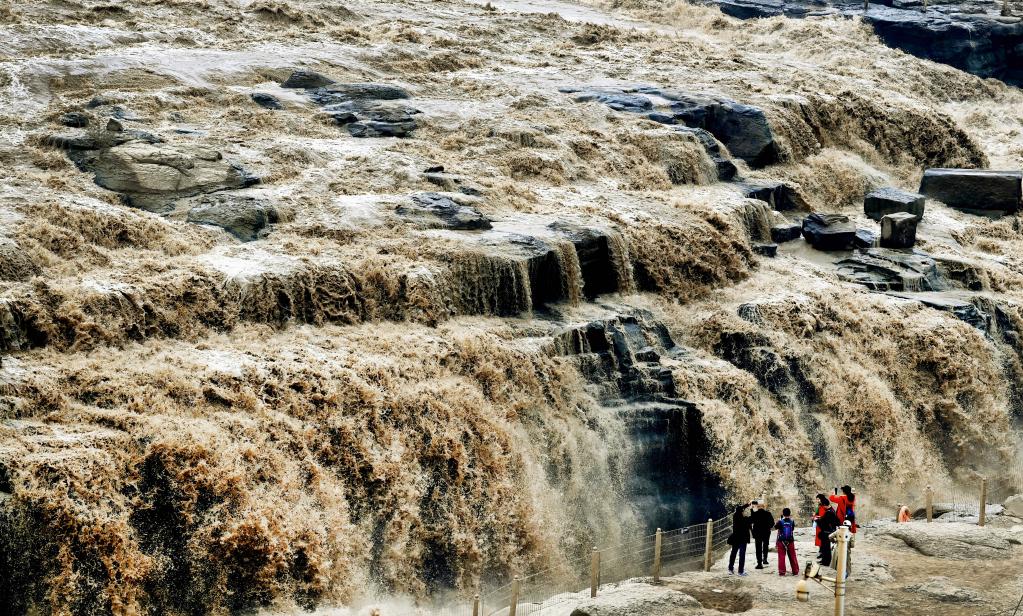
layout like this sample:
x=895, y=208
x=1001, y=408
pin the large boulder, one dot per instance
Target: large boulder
x=786, y=232
x=977, y=191
x=242, y=216
x=898, y=230
x=884, y=201
x=151, y=176
x=829, y=231
x=1014, y=505
x=781, y=196
x=633, y=598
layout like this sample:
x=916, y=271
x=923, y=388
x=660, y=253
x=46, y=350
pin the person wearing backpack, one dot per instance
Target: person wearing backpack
x=845, y=504
x=786, y=542
x=762, y=524
x=827, y=523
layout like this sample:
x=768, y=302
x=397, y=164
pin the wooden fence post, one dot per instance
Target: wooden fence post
x=983, y=501
x=657, y=556
x=476, y=605
x=708, y=550
x=929, y=503
x=594, y=572
x=514, y=597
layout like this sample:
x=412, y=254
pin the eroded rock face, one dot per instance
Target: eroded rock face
x=882, y=269
x=970, y=36
x=368, y=109
x=437, y=211
x=978, y=191
x=242, y=216
x=151, y=176
x=743, y=129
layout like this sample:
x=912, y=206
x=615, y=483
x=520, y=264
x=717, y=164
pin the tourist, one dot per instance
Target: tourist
x=762, y=523
x=827, y=523
x=739, y=539
x=786, y=542
x=845, y=506
x=904, y=515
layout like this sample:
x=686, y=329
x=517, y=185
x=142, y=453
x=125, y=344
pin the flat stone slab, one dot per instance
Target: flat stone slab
x=884, y=201
x=978, y=191
x=883, y=269
x=829, y=231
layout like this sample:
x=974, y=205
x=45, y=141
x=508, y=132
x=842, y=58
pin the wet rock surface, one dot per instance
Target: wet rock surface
x=884, y=201
x=267, y=101
x=978, y=191
x=743, y=129
x=970, y=36
x=306, y=79
x=244, y=217
x=151, y=176
x=898, y=230
x=368, y=109
x=883, y=269
x=786, y=232
x=829, y=231
x=434, y=211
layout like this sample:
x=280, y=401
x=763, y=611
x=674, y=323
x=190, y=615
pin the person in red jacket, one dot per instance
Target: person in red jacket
x=822, y=505
x=845, y=503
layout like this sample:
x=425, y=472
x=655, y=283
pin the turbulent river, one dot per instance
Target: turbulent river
x=484, y=309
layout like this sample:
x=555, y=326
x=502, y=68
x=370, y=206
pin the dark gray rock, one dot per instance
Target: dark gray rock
x=786, y=232
x=726, y=169
x=898, y=230
x=597, y=265
x=437, y=211
x=79, y=140
x=864, y=238
x=450, y=182
x=743, y=129
x=353, y=106
x=968, y=35
x=75, y=119
x=617, y=100
x=374, y=128
x=960, y=309
x=306, y=79
x=883, y=269
x=978, y=191
x=781, y=196
x=242, y=216
x=766, y=250
x=267, y=101
x=829, y=231
x=346, y=92
x=891, y=200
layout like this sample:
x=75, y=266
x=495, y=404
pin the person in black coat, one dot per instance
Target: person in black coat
x=739, y=539
x=762, y=523
x=827, y=523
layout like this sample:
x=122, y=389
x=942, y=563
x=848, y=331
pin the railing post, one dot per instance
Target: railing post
x=929, y=503
x=983, y=501
x=708, y=550
x=842, y=554
x=657, y=556
x=594, y=573
x=514, y=596
x=476, y=605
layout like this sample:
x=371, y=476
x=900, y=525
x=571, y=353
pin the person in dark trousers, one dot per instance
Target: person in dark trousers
x=827, y=523
x=786, y=542
x=845, y=504
x=762, y=523
x=739, y=539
